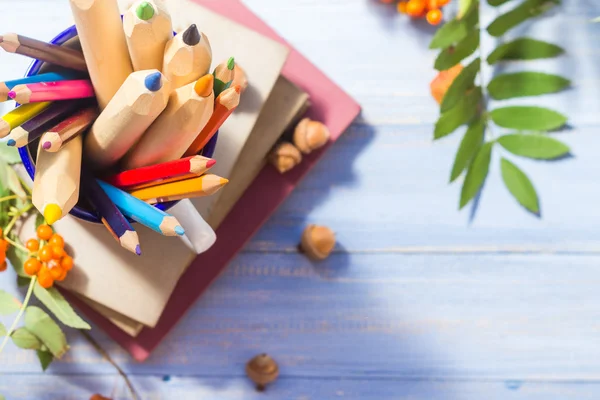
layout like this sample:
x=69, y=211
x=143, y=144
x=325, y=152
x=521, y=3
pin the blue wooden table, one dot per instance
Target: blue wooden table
x=419, y=301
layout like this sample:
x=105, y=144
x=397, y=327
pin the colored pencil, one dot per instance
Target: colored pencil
x=20, y=115
x=171, y=171
x=223, y=74
x=142, y=212
x=225, y=104
x=189, y=109
x=112, y=218
x=148, y=28
x=140, y=100
x=52, y=91
x=50, y=53
x=36, y=126
x=187, y=57
x=102, y=38
x=56, y=181
x=6, y=87
x=201, y=186
x=56, y=137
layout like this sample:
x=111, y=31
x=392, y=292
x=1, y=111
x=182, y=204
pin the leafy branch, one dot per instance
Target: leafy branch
x=465, y=102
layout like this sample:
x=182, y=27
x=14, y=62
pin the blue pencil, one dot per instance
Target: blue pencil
x=142, y=212
x=6, y=87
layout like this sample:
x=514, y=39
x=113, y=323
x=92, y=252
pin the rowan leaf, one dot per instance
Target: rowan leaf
x=451, y=32
x=8, y=304
x=523, y=84
x=60, y=307
x=524, y=49
x=537, y=146
x=17, y=259
x=24, y=339
x=519, y=185
x=496, y=3
x=41, y=325
x=460, y=114
x=464, y=81
x=476, y=174
x=451, y=56
x=469, y=146
x=45, y=358
x=10, y=154
x=527, y=9
x=528, y=118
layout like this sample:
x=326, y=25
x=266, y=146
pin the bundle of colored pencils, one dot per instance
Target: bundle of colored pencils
x=125, y=119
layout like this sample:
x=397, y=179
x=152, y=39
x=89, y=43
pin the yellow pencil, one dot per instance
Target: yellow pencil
x=20, y=115
x=204, y=185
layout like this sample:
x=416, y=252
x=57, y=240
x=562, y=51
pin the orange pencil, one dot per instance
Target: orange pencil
x=225, y=104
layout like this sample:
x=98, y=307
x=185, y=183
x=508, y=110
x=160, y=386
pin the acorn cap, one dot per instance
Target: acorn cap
x=262, y=370
x=317, y=242
x=310, y=135
x=284, y=157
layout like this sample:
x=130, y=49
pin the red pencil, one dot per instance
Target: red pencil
x=171, y=171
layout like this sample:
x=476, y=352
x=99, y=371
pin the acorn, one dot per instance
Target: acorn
x=262, y=370
x=317, y=242
x=239, y=77
x=310, y=135
x=284, y=157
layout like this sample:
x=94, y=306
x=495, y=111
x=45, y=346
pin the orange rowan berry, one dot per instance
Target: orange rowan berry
x=63, y=275
x=433, y=4
x=3, y=266
x=56, y=271
x=434, y=17
x=442, y=3
x=44, y=232
x=402, y=7
x=67, y=263
x=3, y=245
x=45, y=278
x=415, y=8
x=32, y=245
x=32, y=266
x=45, y=254
x=57, y=252
x=57, y=240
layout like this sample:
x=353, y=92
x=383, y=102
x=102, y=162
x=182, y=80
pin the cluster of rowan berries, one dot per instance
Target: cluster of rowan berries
x=47, y=258
x=3, y=249
x=430, y=9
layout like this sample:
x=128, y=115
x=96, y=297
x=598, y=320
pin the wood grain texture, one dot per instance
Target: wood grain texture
x=418, y=301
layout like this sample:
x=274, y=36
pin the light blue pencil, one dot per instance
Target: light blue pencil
x=6, y=87
x=142, y=212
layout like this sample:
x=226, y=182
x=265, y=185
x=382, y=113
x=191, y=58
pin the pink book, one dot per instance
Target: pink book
x=329, y=104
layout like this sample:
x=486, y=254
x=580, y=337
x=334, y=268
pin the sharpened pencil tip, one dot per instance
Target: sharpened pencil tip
x=52, y=213
x=191, y=36
x=145, y=11
x=11, y=142
x=210, y=163
x=12, y=94
x=237, y=88
x=231, y=63
x=138, y=250
x=204, y=85
x=46, y=145
x=179, y=230
x=153, y=81
x=223, y=181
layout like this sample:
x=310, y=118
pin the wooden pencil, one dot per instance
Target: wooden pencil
x=52, y=91
x=102, y=38
x=225, y=104
x=187, y=57
x=50, y=53
x=171, y=171
x=148, y=28
x=20, y=115
x=36, y=126
x=140, y=100
x=59, y=135
x=189, y=109
x=201, y=186
x=224, y=74
x=142, y=212
x=56, y=181
x=6, y=87
x=112, y=218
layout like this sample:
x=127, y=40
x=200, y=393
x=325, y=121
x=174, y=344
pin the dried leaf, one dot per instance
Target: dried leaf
x=524, y=49
x=528, y=118
x=523, y=84
x=60, y=307
x=453, y=55
x=469, y=146
x=526, y=10
x=8, y=304
x=460, y=114
x=45, y=358
x=41, y=325
x=25, y=340
x=476, y=174
x=464, y=81
x=519, y=185
x=536, y=146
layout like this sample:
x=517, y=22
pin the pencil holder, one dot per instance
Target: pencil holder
x=81, y=211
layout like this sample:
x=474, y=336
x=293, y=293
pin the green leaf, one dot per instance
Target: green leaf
x=538, y=146
x=526, y=10
x=465, y=80
x=464, y=6
x=8, y=304
x=460, y=114
x=41, y=325
x=45, y=358
x=14, y=184
x=3, y=330
x=2, y=397
x=25, y=340
x=496, y=3
x=451, y=32
x=528, y=118
x=522, y=84
x=17, y=259
x=476, y=174
x=469, y=146
x=519, y=185
x=39, y=220
x=3, y=176
x=60, y=307
x=451, y=56
x=10, y=155
x=524, y=49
